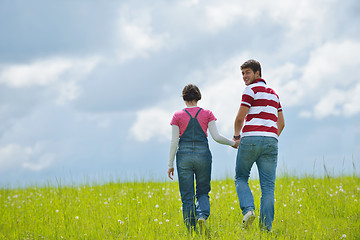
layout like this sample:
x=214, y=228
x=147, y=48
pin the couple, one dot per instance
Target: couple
x=258, y=124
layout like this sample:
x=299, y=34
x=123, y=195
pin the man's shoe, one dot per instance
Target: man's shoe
x=249, y=217
x=202, y=225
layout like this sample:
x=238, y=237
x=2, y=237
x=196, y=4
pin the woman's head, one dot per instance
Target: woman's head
x=191, y=93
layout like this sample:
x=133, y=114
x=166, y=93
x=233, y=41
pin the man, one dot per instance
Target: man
x=258, y=124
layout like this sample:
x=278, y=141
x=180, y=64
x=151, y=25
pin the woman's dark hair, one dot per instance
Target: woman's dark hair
x=191, y=93
x=253, y=65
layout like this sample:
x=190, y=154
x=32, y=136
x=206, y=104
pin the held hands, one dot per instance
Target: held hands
x=171, y=173
x=237, y=142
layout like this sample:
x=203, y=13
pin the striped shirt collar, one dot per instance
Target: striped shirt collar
x=259, y=80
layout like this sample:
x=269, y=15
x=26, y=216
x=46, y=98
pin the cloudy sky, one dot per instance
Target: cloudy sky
x=88, y=88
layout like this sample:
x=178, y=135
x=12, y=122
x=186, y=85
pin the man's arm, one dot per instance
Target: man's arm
x=239, y=120
x=281, y=122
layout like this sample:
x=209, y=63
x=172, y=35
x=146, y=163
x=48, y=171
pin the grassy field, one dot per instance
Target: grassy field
x=305, y=208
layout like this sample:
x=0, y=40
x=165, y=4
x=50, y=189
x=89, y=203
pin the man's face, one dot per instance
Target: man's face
x=248, y=76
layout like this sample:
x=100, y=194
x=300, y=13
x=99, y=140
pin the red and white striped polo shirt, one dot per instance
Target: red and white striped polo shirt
x=264, y=106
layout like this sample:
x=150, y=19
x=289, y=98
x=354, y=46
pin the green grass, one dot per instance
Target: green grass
x=305, y=208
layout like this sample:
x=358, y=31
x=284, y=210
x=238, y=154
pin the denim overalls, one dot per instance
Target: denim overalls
x=193, y=157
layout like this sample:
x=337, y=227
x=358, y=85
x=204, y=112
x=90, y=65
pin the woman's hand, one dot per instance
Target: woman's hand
x=171, y=173
x=236, y=144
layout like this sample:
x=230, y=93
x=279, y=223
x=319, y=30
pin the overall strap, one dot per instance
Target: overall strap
x=190, y=114
x=198, y=112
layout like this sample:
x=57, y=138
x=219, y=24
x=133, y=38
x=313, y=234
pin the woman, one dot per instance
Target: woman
x=193, y=157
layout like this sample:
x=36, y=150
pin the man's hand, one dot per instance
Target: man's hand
x=171, y=173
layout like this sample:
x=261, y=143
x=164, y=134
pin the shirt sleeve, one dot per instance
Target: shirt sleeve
x=247, y=98
x=174, y=120
x=211, y=117
x=217, y=137
x=173, y=145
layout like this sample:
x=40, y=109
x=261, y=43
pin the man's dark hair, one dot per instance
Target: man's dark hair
x=253, y=65
x=191, y=93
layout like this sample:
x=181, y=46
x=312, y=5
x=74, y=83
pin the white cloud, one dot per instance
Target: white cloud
x=331, y=77
x=152, y=123
x=339, y=102
x=101, y=120
x=352, y=104
x=135, y=35
x=330, y=104
x=315, y=74
x=319, y=86
x=33, y=158
x=221, y=93
x=189, y=3
x=40, y=73
x=61, y=74
x=39, y=164
x=334, y=64
x=296, y=16
x=325, y=85
x=68, y=91
x=220, y=15
x=283, y=80
x=305, y=114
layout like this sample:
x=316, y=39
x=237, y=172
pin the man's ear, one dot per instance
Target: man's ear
x=257, y=74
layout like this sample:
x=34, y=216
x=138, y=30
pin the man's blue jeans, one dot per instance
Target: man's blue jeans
x=264, y=152
x=194, y=159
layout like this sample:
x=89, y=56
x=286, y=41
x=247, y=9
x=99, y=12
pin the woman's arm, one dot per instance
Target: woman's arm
x=217, y=137
x=173, y=147
x=173, y=144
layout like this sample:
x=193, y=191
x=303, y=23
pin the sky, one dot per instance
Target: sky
x=88, y=88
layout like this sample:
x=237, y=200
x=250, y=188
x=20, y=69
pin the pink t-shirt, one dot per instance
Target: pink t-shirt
x=181, y=118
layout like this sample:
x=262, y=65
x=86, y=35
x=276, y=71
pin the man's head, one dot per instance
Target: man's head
x=251, y=70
